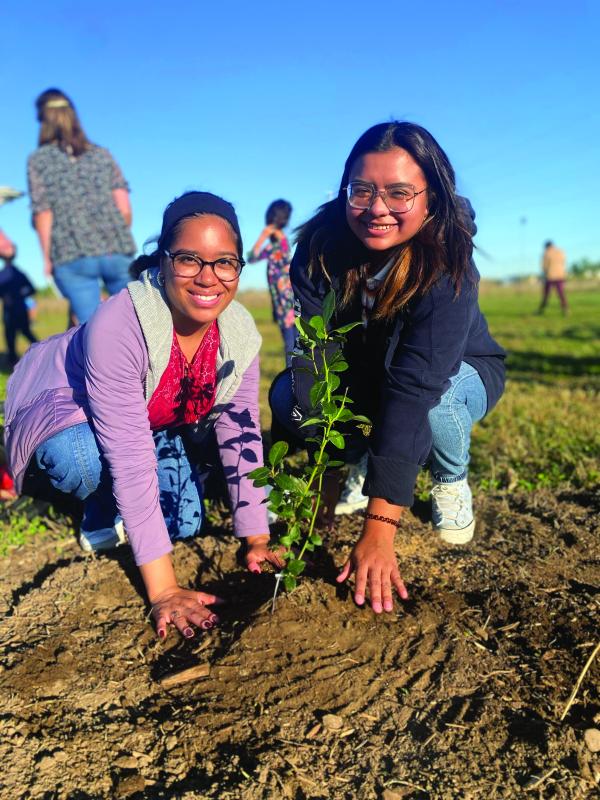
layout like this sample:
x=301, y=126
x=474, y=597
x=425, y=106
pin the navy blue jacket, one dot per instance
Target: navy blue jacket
x=399, y=370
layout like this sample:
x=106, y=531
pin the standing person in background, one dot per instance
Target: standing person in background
x=554, y=267
x=15, y=290
x=80, y=208
x=273, y=245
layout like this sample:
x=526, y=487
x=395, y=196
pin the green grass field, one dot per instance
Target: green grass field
x=543, y=433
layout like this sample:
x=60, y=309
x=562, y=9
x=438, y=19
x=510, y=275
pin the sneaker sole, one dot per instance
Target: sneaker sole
x=106, y=544
x=350, y=508
x=454, y=536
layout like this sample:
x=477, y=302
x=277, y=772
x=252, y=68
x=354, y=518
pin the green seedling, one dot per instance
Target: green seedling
x=297, y=500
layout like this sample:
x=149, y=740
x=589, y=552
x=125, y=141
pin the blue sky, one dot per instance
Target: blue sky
x=261, y=100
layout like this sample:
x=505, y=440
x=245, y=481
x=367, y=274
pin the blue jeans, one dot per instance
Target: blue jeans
x=463, y=404
x=74, y=465
x=79, y=281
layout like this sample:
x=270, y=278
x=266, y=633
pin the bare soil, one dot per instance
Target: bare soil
x=458, y=694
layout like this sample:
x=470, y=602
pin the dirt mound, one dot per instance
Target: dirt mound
x=458, y=694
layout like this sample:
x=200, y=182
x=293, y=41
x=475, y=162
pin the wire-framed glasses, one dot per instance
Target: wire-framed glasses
x=398, y=197
x=188, y=265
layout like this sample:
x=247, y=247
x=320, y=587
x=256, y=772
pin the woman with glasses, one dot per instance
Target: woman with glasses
x=273, y=245
x=396, y=246
x=119, y=412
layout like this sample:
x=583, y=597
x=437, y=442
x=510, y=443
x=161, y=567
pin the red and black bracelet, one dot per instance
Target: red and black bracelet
x=389, y=520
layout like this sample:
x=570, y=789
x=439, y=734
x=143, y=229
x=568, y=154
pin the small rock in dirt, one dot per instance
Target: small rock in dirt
x=126, y=762
x=171, y=742
x=592, y=739
x=130, y=785
x=395, y=794
x=45, y=763
x=332, y=722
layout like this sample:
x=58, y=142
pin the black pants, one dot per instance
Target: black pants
x=16, y=320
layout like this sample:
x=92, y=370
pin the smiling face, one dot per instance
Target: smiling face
x=196, y=302
x=378, y=228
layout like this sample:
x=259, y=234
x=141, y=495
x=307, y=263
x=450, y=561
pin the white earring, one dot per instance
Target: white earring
x=160, y=279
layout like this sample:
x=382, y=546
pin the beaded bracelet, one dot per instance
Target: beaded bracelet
x=389, y=520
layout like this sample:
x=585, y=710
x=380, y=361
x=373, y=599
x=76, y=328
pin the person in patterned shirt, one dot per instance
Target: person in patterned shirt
x=273, y=245
x=80, y=208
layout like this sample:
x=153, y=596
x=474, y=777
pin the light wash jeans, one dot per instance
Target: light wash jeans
x=463, y=404
x=79, y=281
x=74, y=465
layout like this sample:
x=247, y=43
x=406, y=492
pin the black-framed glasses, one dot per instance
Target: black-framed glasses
x=188, y=265
x=398, y=197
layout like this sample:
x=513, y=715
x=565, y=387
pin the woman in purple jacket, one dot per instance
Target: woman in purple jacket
x=396, y=246
x=110, y=410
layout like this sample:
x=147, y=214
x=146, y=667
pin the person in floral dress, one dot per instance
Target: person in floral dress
x=273, y=245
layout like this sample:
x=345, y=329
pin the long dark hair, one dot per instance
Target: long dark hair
x=443, y=245
x=59, y=123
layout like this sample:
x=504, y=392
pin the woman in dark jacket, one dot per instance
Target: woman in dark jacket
x=396, y=245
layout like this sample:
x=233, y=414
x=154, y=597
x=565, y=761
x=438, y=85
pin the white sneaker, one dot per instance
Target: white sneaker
x=116, y=538
x=452, y=511
x=352, y=499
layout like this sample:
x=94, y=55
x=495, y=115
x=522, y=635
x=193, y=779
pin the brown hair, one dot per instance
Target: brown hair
x=443, y=245
x=60, y=124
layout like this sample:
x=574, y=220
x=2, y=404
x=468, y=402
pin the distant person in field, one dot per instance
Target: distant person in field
x=396, y=246
x=274, y=245
x=554, y=267
x=123, y=412
x=15, y=291
x=80, y=208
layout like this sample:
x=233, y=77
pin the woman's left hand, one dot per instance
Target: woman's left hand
x=258, y=552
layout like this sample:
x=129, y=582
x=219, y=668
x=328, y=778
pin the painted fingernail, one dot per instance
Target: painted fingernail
x=377, y=608
x=359, y=599
x=388, y=605
x=162, y=634
x=206, y=624
x=188, y=633
x=213, y=618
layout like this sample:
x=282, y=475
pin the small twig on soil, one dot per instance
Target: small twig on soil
x=579, y=681
x=175, y=678
x=541, y=780
x=496, y=672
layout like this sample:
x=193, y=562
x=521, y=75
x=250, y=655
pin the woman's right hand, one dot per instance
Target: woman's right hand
x=183, y=608
x=374, y=561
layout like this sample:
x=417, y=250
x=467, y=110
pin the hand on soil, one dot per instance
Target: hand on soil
x=183, y=608
x=374, y=561
x=258, y=553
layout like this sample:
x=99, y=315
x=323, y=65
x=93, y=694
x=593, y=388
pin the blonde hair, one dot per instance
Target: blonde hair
x=59, y=123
